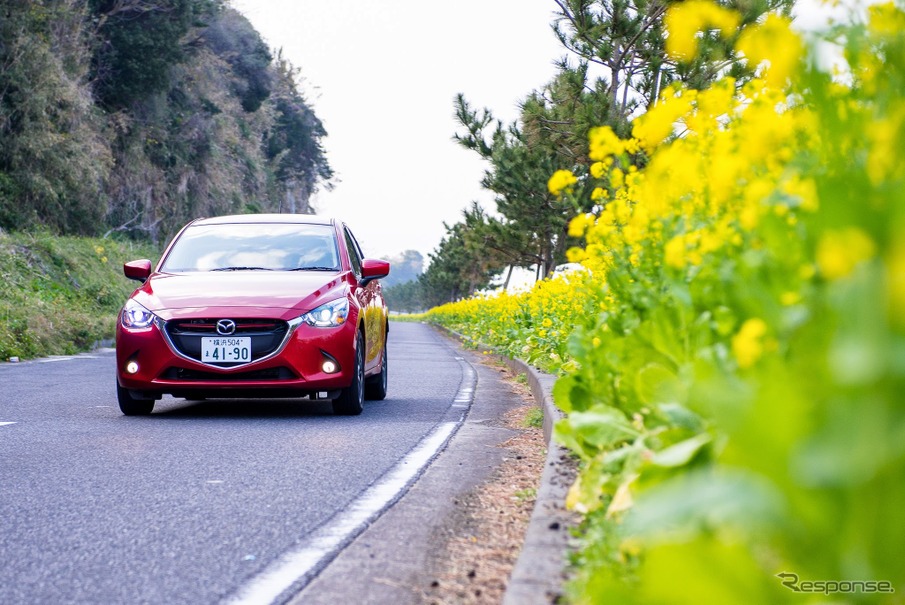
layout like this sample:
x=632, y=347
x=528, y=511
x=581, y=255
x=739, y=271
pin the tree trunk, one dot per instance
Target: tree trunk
x=508, y=277
x=548, y=261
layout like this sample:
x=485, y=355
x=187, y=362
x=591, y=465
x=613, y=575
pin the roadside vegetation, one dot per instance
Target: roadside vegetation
x=731, y=358
x=120, y=120
x=61, y=295
x=135, y=116
x=615, y=66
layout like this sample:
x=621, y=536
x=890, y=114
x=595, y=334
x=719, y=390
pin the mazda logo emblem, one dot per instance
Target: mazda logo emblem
x=225, y=327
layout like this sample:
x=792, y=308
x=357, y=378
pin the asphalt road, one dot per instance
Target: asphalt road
x=200, y=501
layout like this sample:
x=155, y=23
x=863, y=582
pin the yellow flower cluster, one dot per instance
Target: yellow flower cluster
x=688, y=18
x=562, y=180
x=532, y=325
x=603, y=143
x=653, y=127
x=739, y=324
x=706, y=188
x=773, y=45
x=839, y=252
x=748, y=344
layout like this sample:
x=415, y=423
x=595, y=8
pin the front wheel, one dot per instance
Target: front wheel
x=376, y=386
x=350, y=401
x=130, y=406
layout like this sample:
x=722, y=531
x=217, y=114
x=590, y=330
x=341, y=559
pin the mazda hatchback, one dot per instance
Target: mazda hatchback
x=255, y=306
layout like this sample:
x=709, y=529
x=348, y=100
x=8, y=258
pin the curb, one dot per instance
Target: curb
x=540, y=571
x=541, y=568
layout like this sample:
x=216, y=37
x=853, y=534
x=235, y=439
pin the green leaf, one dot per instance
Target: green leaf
x=701, y=499
x=602, y=427
x=681, y=453
x=571, y=395
x=657, y=384
x=681, y=417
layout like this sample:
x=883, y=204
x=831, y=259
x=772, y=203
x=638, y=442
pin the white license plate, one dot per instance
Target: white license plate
x=226, y=349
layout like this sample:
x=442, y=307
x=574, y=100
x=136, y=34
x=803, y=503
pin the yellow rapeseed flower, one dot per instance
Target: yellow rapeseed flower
x=885, y=19
x=884, y=158
x=579, y=225
x=839, y=252
x=748, y=343
x=790, y=298
x=603, y=143
x=676, y=253
x=804, y=190
x=684, y=20
x=576, y=254
x=562, y=180
x=654, y=126
x=775, y=43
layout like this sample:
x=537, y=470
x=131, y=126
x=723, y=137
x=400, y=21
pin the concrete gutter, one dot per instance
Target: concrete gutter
x=541, y=569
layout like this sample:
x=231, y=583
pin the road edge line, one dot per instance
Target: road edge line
x=295, y=569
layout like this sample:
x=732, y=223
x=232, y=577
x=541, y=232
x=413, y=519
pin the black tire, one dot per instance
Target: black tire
x=351, y=400
x=130, y=406
x=376, y=386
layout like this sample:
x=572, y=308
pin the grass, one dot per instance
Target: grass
x=524, y=495
x=534, y=418
x=61, y=295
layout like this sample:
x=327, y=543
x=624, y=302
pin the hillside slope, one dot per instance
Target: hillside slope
x=61, y=295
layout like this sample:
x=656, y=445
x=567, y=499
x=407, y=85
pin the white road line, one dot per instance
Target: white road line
x=6, y=423
x=300, y=565
x=56, y=358
x=295, y=565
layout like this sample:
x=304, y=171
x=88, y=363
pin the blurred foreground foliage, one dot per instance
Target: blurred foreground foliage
x=732, y=360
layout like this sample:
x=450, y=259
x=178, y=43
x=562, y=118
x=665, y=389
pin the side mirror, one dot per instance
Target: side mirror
x=139, y=270
x=373, y=269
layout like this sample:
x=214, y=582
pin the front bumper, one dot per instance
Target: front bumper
x=150, y=365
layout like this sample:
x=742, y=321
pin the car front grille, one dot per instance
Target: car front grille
x=267, y=336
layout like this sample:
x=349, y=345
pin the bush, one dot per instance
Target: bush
x=736, y=406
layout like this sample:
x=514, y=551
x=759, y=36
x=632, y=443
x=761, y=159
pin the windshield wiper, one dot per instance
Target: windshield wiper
x=241, y=269
x=313, y=269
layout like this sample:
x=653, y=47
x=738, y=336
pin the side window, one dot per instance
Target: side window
x=354, y=252
x=361, y=254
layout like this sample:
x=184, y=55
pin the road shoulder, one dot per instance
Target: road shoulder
x=412, y=553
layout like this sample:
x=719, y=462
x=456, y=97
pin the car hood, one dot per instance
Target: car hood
x=277, y=293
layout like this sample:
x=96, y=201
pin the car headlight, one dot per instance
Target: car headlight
x=136, y=317
x=329, y=315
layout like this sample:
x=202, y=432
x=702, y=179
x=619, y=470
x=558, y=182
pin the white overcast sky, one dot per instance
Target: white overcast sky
x=382, y=76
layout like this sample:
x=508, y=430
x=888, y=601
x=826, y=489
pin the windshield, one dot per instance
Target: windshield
x=254, y=247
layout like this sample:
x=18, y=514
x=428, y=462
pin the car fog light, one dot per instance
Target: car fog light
x=329, y=366
x=132, y=367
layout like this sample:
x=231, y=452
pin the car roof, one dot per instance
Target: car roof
x=242, y=219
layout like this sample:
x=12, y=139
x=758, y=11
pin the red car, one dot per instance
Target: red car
x=269, y=305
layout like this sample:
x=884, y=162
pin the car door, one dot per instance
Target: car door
x=370, y=299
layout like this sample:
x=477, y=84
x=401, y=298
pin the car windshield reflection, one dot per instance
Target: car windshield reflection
x=254, y=247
